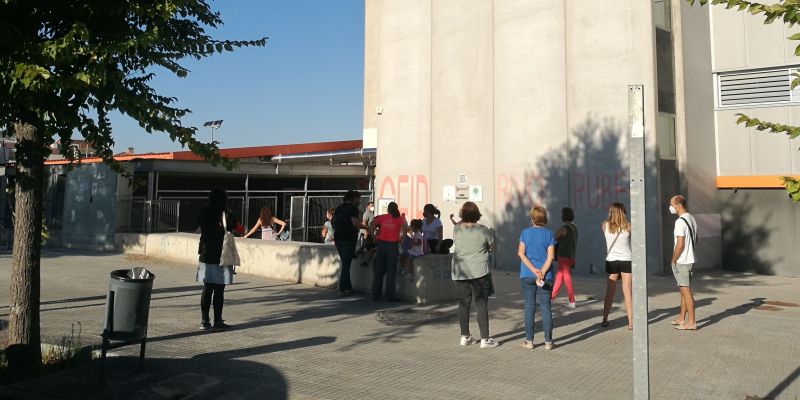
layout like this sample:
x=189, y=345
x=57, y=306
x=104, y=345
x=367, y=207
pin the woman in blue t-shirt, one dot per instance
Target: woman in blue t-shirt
x=536, y=250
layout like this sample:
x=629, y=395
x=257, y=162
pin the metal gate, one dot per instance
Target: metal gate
x=315, y=215
x=254, y=205
x=190, y=206
x=297, y=219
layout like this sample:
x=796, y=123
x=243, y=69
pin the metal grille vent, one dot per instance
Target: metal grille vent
x=755, y=87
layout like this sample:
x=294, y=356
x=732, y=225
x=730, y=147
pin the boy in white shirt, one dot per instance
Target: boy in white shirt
x=683, y=261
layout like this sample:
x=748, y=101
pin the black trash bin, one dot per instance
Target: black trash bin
x=127, y=312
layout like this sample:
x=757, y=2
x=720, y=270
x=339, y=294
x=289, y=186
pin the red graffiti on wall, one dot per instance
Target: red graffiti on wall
x=522, y=191
x=597, y=190
x=410, y=192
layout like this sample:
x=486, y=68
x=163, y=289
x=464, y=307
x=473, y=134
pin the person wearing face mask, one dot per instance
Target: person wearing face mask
x=683, y=260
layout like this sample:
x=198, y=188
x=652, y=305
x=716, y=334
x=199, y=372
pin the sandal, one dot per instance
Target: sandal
x=675, y=322
x=604, y=324
x=630, y=327
x=686, y=328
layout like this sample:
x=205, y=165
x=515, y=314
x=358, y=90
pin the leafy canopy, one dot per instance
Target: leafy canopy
x=64, y=65
x=789, y=12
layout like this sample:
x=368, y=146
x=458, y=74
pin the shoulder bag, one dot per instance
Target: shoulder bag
x=691, y=232
x=230, y=255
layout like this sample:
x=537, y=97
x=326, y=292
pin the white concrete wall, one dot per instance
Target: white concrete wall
x=530, y=116
x=307, y=263
x=609, y=48
x=695, y=133
x=742, y=41
x=404, y=94
x=526, y=98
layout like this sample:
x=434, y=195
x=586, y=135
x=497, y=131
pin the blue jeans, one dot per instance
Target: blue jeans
x=385, y=265
x=533, y=294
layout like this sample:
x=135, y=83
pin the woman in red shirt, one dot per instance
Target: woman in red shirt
x=387, y=229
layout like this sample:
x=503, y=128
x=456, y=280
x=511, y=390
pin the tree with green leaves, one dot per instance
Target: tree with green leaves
x=789, y=12
x=64, y=66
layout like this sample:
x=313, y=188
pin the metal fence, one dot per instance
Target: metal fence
x=304, y=214
x=315, y=215
x=148, y=216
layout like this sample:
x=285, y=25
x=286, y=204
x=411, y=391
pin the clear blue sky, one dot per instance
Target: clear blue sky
x=306, y=85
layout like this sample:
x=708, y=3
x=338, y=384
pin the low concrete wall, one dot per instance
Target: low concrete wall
x=307, y=263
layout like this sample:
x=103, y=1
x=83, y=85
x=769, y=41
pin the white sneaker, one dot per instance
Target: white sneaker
x=468, y=340
x=488, y=343
x=571, y=305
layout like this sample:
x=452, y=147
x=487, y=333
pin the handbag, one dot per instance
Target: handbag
x=230, y=255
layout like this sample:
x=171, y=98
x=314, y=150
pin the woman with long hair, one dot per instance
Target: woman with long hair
x=617, y=231
x=387, y=230
x=327, y=228
x=267, y=221
x=210, y=273
x=536, y=251
x=432, y=229
x=473, y=281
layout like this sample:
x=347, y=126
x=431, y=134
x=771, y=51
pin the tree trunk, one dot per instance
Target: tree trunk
x=24, y=353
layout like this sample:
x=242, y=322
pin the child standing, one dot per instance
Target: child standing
x=414, y=245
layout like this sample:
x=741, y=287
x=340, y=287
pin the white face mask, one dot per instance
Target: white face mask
x=372, y=208
x=672, y=210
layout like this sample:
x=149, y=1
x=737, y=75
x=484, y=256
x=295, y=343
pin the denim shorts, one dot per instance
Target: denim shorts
x=683, y=274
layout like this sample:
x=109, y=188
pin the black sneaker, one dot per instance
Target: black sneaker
x=222, y=326
x=204, y=326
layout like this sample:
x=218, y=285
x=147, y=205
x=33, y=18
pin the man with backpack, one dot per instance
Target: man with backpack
x=683, y=261
x=346, y=225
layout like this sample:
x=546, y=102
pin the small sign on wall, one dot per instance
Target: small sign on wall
x=383, y=205
x=462, y=193
x=476, y=193
x=449, y=193
x=462, y=179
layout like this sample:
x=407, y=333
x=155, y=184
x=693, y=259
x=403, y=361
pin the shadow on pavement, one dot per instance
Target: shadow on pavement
x=205, y=376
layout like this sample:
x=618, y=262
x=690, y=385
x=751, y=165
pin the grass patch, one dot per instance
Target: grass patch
x=66, y=354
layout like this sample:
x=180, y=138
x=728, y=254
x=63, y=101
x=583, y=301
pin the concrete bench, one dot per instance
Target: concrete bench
x=432, y=281
x=299, y=262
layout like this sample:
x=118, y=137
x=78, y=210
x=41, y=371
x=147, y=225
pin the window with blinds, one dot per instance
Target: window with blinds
x=737, y=89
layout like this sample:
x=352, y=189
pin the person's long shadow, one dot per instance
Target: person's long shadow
x=654, y=316
x=327, y=307
x=783, y=385
x=731, y=312
x=659, y=315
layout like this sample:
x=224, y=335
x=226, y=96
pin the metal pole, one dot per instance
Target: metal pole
x=305, y=208
x=246, y=211
x=641, y=362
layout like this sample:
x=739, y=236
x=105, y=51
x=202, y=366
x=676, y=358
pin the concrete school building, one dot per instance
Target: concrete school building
x=512, y=103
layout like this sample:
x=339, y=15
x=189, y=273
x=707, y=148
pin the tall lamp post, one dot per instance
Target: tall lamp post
x=213, y=125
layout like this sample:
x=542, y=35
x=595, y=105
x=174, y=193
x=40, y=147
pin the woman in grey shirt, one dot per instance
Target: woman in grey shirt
x=473, y=281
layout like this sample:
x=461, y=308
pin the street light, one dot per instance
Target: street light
x=213, y=125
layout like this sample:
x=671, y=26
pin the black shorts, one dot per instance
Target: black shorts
x=615, y=267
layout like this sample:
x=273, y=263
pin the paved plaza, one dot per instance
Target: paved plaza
x=300, y=342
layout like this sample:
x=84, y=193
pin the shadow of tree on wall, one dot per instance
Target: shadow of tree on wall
x=587, y=174
x=743, y=236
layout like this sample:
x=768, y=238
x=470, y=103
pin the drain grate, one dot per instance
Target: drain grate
x=415, y=317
